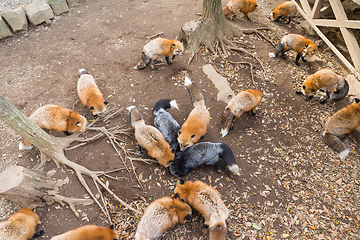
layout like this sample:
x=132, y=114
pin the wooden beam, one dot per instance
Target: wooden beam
x=337, y=23
x=349, y=37
x=306, y=6
x=328, y=42
x=316, y=9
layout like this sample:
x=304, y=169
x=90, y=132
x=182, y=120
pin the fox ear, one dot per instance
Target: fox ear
x=112, y=227
x=176, y=195
x=106, y=102
x=188, y=217
x=182, y=181
x=304, y=87
x=173, y=44
x=357, y=100
x=306, y=45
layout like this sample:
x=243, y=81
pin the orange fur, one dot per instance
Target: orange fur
x=235, y=6
x=90, y=94
x=198, y=120
x=342, y=122
x=286, y=9
x=159, y=47
x=20, y=226
x=207, y=201
x=323, y=79
x=299, y=43
x=244, y=101
x=161, y=215
x=88, y=232
x=54, y=117
x=150, y=138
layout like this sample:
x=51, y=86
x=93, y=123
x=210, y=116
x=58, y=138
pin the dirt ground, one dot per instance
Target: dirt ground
x=292, y=186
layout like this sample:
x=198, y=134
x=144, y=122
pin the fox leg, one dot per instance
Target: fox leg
x=297, y=59
x=153, y=64
x=218, y=165
x=252, y=112
x=67, y=133
x=327, y=97
x=289, y=19
x=38, y=234
x=167, y=60
x=140, y=150
x=303, y=59
x=278, y=18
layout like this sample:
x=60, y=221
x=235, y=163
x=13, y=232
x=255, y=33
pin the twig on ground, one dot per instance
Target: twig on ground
x=251, y=67
x=156, y=35
x=249, y=53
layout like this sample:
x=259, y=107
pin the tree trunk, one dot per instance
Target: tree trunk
x=31, y=188
x=211, y=30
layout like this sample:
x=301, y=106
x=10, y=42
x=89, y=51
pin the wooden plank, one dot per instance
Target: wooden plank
x=352, y=45
x=327, y=41
x=350, y=40
x=337, y=23
x=316, y=9
x=306, y=6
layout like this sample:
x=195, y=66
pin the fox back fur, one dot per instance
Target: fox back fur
x=89, y=232
x=198, y=120
x=166, y=124
x=90, y=94
x=244, y=101
x=300, y=44
x=286, y=9
x=207, y=201
x=335, y=86
x=150, y=138
x=20, y=226
x=244, y=6
x=161, y=215
x=342, y=122
x=54, y=117
x=203, y=153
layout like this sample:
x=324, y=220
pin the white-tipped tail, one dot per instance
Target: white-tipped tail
x=136, y=68
x=173, y=104
x=272, y=55
x=344, y=153
x=224, y=132
x=82, y=71
x=235, y=169
x=23, y=147
x=187, y=81
x=130, y=108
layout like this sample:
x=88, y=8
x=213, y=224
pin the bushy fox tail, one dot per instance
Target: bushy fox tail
x=135, y=115
x=229, y=160
x=218, y=232
x=83, y=71
x=278, y=48
x=25, y=144
x=145, y=60
x=336, y=144
x=195, y=94
x=341, y=92
x=164, y=104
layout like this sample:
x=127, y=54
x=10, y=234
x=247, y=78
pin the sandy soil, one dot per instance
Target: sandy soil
x=106, y=37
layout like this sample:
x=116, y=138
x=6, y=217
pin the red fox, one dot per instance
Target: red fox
x=20, y=226
x=89, y=232
x=54, y=117
x=203, y=153
x=207, y=201
x=198, y=120
x=244, y=6
x=244, y=101
x=162, y=47
x=90, y=94
x=342, y=122
x=335, y=86
x=286, y=9
x=150, y=138
x=161, y=215
x=300, y=44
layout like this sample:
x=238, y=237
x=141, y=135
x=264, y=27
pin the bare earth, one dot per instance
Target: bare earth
x=292, y=186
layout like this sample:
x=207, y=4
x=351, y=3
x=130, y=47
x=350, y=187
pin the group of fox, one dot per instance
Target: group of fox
x=176, y=146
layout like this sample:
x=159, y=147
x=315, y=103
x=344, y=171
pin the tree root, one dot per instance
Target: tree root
x=247, y=52
x=251, y=67
x=259, y=34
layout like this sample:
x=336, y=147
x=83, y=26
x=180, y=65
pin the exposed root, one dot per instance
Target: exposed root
x=71, y=202
x=259, y=34
x=251, y=69
x=249, y=53
x=156, y=35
